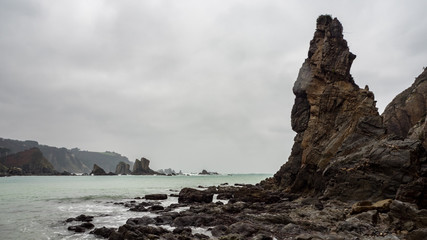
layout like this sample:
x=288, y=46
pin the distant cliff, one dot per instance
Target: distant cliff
x=63, y=159
x=28, y=162
x=107, y=160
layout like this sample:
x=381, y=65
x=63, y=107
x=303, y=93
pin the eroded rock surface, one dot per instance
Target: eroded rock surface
x=342, y=149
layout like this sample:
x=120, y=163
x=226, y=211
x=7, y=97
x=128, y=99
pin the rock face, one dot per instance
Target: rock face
x=28, y=162
x=123, y=168
x=141, y=167
x=98, y=171
x=405, y=116
x=341, y=149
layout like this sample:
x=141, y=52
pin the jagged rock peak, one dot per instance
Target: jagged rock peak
x=341, y=149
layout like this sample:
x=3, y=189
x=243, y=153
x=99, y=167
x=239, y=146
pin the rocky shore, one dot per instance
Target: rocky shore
x=352, y=173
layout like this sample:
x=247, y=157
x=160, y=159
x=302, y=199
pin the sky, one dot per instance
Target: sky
x=188, y=84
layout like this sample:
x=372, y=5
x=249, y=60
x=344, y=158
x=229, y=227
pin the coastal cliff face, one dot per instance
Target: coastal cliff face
x=405, y=116
x=28, y=162
x=342, y=148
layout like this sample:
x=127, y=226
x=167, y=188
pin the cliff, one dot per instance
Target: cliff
x=405, y=116
x=63, y=159
x=141, y=167
x=108, y=160
x=342, y=148
x=28, y=162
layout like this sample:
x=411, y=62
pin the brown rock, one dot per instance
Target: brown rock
x=408, y=110
x=341, y=149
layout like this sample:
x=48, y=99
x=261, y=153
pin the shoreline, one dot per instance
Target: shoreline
x=249, y=211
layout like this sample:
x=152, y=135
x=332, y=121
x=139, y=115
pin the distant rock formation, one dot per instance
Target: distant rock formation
x=167, y=171
x=28, y=162
x=98, y=171
x=141, y=167
x=341, y=149
x=204, y=172
x=406, y=116
x=62, y=159
x=123, y=168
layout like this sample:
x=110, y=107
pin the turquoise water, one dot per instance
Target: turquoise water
x=35, y=207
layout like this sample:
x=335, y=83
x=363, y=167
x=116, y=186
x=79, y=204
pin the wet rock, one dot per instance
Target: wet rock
x=190, y=195
x=156, y=208
x=102, y=232
x=77, y=229
x=156, y=196
x=145, y=220
x=81, y=218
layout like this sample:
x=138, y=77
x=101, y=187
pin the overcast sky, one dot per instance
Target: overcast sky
x=190, y=85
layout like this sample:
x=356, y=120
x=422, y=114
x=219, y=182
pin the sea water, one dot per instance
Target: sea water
x=36, y=207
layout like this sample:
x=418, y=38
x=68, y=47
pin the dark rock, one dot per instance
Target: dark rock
x=204, y=172
x=102, y=232
x=98, y=171
x=28, y=162
x=190, y=195
x=224, y=196
x=145, y=220
x=156, y=196
x=182, y=230
x=220, y=230
x=87, y=225
x=141, y=167
x=157, y=208
x=419, y=234
x=84, y=218
x=77, y=229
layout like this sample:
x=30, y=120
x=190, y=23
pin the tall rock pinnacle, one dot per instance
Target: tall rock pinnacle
x=338, y=126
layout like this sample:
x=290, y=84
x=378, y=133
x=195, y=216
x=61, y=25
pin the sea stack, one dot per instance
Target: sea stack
x=141, y=167
x=342, y=148
x=123, y=168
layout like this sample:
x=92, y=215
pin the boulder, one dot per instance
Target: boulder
x=102, y=232
x=190, y=195
x=156, y=196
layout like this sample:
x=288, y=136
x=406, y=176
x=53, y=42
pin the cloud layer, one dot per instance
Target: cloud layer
x=187, y=84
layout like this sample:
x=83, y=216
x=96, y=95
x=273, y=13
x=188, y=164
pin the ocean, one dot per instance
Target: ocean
x=36, y=207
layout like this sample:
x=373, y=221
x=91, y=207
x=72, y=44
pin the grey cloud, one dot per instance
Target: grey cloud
x=190, y=85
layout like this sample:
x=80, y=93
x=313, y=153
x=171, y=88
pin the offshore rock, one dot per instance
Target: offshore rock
x=98, y=171
x=341, y=149
x=123, y=168
x=141, y=167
